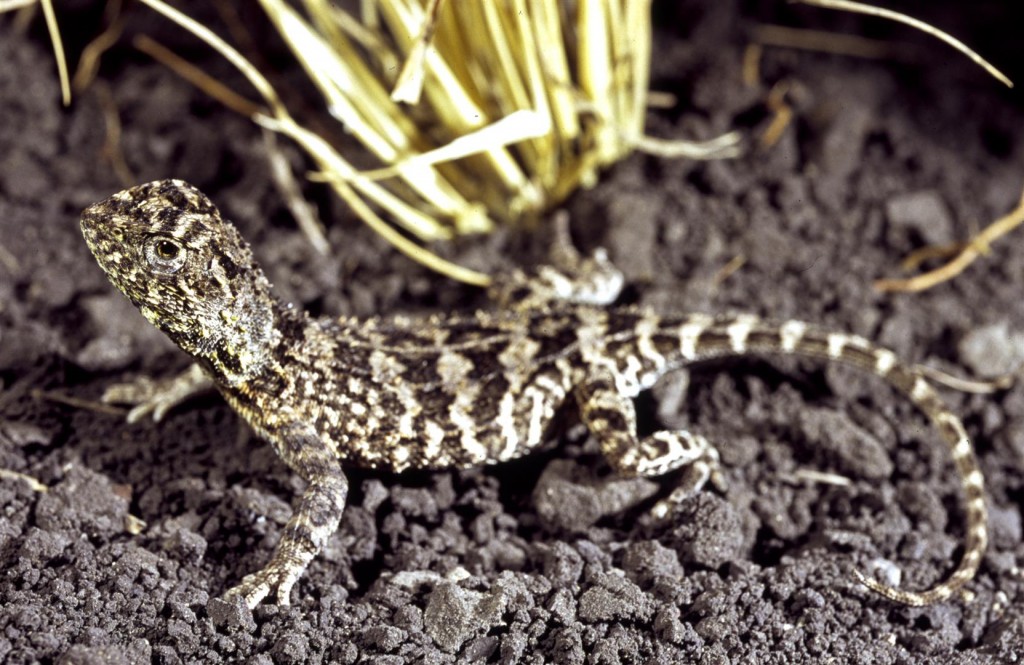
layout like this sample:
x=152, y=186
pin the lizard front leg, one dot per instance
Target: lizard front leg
x=158, y=396
x=315, y=518
x=610, y=416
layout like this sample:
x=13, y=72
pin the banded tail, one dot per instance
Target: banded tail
x=702, y=337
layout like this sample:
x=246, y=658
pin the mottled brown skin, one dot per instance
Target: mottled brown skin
x=447, y=391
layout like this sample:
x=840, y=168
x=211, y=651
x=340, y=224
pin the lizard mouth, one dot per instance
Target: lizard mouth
x=107, y=242
x=95, y=219
x=92, y=231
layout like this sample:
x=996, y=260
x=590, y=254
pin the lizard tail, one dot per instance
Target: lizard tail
x=702, y=336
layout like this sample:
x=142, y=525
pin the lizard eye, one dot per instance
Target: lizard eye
x=164, y=254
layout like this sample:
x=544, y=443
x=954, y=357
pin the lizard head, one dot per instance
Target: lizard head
x=190, y=273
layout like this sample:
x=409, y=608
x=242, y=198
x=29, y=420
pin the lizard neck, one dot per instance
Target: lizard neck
x=253, y=326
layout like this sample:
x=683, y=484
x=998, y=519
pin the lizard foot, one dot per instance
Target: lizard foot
x=256, y=586
x=570, y=277
x=692, y=479
x=157, y=397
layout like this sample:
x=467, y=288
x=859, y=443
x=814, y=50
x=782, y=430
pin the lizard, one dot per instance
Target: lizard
x=456, y=389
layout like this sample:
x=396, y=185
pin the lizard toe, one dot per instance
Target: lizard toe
x=255, y=587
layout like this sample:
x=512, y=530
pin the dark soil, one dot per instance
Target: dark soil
x=882, y=157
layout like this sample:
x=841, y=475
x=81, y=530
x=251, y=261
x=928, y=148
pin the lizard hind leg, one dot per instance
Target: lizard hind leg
x=611, y=418
x=568, y=277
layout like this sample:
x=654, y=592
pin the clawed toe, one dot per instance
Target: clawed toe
x=257, y=586
x=157, y=397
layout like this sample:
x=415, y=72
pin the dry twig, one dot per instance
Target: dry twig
x=973, y=386
x=827, y=42
x=734, y=264
x=88, y=405
x=871, y=10
x=112, y=140
x=977, y=246
x=197, y=77
x=55, y=40
x=782, y=114
x=89, y=62
x=32, y=482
